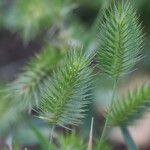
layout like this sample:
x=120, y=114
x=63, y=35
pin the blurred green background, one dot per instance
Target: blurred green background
x=29, y=26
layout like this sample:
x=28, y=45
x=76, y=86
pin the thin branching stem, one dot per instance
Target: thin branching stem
x=128, y=139
x=106, y=122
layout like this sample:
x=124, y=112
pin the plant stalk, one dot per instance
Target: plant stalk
x=128, y=139
x=91, y=136
x=106, y=122
x=51, y=134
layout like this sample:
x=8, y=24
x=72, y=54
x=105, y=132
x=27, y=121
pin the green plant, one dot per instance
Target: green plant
x=8, y=114
x=65, y=98
x=121, y=42
x=29, y=18
x=131, y=107
x=59, y=87
x=71, y=141
x=27, y=87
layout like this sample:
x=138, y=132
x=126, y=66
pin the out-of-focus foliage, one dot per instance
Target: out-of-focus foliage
x=27, y=87
x=71, y=141
x=29, y=18
x=42, y=140
x=9, y=113
x=103, y=146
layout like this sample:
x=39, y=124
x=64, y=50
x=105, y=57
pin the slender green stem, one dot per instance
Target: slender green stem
x=114, y=91
x=106, y=122
x=51, y=134
x=128, y=139
x=91, y=136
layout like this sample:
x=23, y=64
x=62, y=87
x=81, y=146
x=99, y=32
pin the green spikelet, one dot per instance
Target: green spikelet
x=120, y=39
x=67, y=96
x=27, y=87
x=131, y=107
